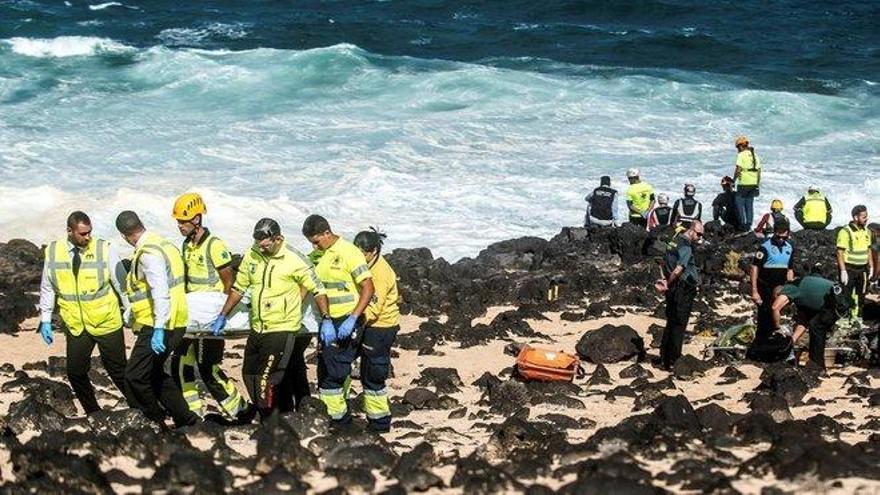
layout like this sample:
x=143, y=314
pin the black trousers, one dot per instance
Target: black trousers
x=151, y=388
x=856, y=288
x=111, y=348
x=640, y=221
x=295, y=384
x=819, y=323
x=266, y=358
x=679, y=302
x=768, y=346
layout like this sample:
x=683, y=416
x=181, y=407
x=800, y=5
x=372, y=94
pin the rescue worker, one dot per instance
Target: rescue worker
x=687, y=209
x=681, y=278
x=854, y=260
x=208, y=268
x=639, y=198
x=769, y=220
x=274, y=272
x=343, y=270
x=602, y=205
x=820, y=303
x=813, y=211
x=772, y=267
x=724, y=204
x=84, y=276
x=381, y=324
x=748, y=182
x=661, y=214
x=155, y=288
x=875, y=248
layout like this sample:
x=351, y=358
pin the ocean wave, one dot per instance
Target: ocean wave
x=199, y=35
x=64, y=46
x=102, y=6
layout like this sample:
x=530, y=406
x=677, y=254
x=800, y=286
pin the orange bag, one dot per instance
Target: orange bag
x=546, y=365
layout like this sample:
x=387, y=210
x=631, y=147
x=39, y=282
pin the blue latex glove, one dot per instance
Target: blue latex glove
x=347, y=327
x=328, y=331
x=218, y=325
x=157, y=342
x=46, y=332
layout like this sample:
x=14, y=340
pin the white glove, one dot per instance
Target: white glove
x=844, y=277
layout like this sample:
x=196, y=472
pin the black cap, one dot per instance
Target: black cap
x=605, y=181
x=266, y=228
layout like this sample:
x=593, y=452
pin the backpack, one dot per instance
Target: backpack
x=547, y=366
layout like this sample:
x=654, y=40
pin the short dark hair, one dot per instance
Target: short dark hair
x=314, y=225
x=266, y=228
x=369, y=240
x=781, y=226
x=128, y=223
x=77, y=218
x=859, y=209
x=605, y=181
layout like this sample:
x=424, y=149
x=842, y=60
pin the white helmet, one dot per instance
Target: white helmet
x=632, y=173
x=663, y=199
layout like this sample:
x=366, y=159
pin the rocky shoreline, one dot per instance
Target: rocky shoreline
x=463, y=423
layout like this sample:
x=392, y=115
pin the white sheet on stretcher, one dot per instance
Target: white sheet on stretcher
x=205, y=306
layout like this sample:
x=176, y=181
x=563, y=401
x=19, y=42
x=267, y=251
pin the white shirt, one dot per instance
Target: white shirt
x=47, y=292
x=152, y=267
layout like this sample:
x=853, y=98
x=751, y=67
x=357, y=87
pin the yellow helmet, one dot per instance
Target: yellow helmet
x=187, y=206
x=776, y=205
x=741, y=141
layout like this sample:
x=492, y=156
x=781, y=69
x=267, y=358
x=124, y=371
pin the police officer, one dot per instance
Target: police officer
x=208, y=269
x=155, y=288
x=639, y=198
x=854, y=260
x=343, y=270
x=687, y=209
x=820, y=303
x=84, y=275
x=602, y=205
x=771, y=268
x=275, y=275
x=681, y=278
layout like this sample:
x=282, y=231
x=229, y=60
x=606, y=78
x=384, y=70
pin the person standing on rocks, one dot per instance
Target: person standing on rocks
x=660, y=215
x=381, y=324
x=155, y=287
x=748, y=182
x=639, y=198
x=772, y=267
x=602, y=206
x=275, y=275
x=820, y=303
x=85, y=277
x=681, y=278
x=343, y=270
x=854, y=259
x=208, y=270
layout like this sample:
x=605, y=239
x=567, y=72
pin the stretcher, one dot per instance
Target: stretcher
x=205, y=306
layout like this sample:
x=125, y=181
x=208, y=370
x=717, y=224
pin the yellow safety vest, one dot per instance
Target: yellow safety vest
x=139, y=291
x=201, y=267
x=383, y=310
x=815, y=209
x=749, y=167
x=341, y=267
x=639, y=195
x=86, y=301
x=856, y=244
x=274, y=282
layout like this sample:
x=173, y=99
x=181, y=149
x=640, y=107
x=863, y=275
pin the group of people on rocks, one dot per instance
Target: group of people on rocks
x=347, y=287
x=820, y=302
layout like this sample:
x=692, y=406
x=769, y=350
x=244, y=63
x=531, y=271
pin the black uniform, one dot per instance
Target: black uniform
x=679, y=300
x=773, y=259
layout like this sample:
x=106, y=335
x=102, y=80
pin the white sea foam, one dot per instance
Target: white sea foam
x=102, y=6
x=447, y=155
x=63, y=46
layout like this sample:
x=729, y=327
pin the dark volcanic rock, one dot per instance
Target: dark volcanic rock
x=185, y=473
x=53, y=393
x=773, y=405
x=635, y=371
x=611, y=344
x=444, y=380
x=419, y=398
x=689, y=367
x=412, y=469
x=788, y=382
x=21, y=266
x=76, y=473
x=114, y=422
x=31, y=413
x=277, y=482
x=509, y=397
x=600, y=376
x=474, y=475
x=278, y=446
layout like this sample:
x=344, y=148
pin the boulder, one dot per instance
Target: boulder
x=611, y=344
